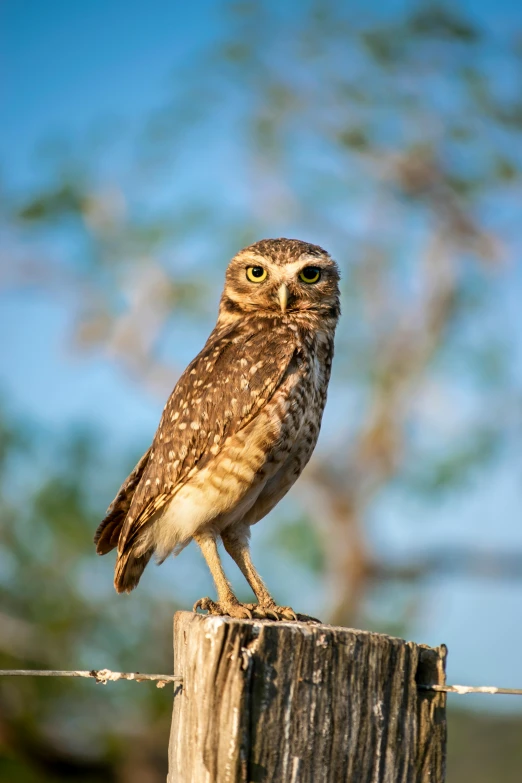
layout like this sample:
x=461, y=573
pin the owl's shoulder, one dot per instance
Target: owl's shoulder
x=235, y=357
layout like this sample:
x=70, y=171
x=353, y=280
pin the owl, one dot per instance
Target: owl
x=239, y=427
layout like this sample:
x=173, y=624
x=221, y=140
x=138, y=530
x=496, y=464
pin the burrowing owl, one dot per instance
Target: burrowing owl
x=239, y=427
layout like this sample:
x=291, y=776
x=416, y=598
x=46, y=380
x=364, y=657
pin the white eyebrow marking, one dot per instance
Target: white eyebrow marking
x=282, y=272
x=276, y=270
x=302, y=262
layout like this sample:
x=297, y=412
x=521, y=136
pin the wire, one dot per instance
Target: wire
x=462, y=690
x=102, y=676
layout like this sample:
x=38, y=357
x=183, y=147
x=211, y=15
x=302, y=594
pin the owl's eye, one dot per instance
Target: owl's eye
x=310, y=274
x=256, y=274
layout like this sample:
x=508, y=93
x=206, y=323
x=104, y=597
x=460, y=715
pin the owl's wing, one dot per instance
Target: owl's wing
x=107, y=534
x=219, y=393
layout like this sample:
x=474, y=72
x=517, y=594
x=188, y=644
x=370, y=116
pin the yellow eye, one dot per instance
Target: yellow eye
x=256, y=274
x=310, y=274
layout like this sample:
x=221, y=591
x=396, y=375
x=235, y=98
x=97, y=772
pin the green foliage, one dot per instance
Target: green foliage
x=57, y=612
x=55, y=204
x=483, y=748
x=438, y=21
x=299, y=540
x=456, y=469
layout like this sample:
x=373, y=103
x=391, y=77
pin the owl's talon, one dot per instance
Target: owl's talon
x=223, y=608
x=285, y=613
x=252, y=611
x=273, y=612
x=264, y=613
x=206, y=604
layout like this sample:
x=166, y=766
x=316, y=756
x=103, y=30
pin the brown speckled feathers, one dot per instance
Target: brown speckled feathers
x=219, y=392
x=241, y=423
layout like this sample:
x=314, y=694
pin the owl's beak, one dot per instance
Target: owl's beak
x=282, y=295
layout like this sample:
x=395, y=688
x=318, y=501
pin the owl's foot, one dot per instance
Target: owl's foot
x=270, y=611
x=220, y=608
x=252, y=611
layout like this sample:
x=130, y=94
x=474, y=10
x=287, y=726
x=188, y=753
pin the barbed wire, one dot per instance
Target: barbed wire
x=103, y=676
x=462, y=690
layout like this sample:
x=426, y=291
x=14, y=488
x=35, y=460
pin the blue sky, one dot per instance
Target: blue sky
x=68, y=65
x=71, y=64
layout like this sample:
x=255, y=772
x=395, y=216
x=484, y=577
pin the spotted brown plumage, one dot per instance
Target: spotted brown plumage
x=240, y=425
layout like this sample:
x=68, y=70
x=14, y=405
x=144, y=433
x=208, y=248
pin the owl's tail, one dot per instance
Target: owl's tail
x=109, y=529
x=129, y=568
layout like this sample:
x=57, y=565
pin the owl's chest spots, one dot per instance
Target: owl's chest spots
x=317, y=374
x=299, y=408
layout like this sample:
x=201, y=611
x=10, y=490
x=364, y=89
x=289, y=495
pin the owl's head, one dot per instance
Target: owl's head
x=279, y=277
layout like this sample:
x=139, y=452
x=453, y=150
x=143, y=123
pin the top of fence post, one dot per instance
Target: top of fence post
x=280, y=702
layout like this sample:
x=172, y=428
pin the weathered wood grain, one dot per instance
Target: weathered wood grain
x=267, y=702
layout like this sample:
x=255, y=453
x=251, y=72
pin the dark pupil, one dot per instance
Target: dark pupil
x=257, y=271
x=311, y=271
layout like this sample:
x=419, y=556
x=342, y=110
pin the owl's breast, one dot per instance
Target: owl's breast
x=300, y=414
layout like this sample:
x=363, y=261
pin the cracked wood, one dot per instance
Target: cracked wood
x=272, y=702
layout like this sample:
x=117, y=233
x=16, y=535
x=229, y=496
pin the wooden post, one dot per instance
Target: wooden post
x=267, y=702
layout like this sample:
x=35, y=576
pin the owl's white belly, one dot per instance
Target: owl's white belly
x=196, y=508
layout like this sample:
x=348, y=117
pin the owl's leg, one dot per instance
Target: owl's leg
x=238, y=549
x=227, y=602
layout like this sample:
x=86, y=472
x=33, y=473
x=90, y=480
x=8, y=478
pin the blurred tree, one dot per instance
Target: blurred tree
x=484, y=748
x=387, y=141
x=391, y=139
x=56, y=610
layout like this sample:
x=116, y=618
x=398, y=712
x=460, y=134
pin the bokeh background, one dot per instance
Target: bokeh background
x=143, y=144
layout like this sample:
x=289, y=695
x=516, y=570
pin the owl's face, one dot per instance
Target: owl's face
x=280, y=277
